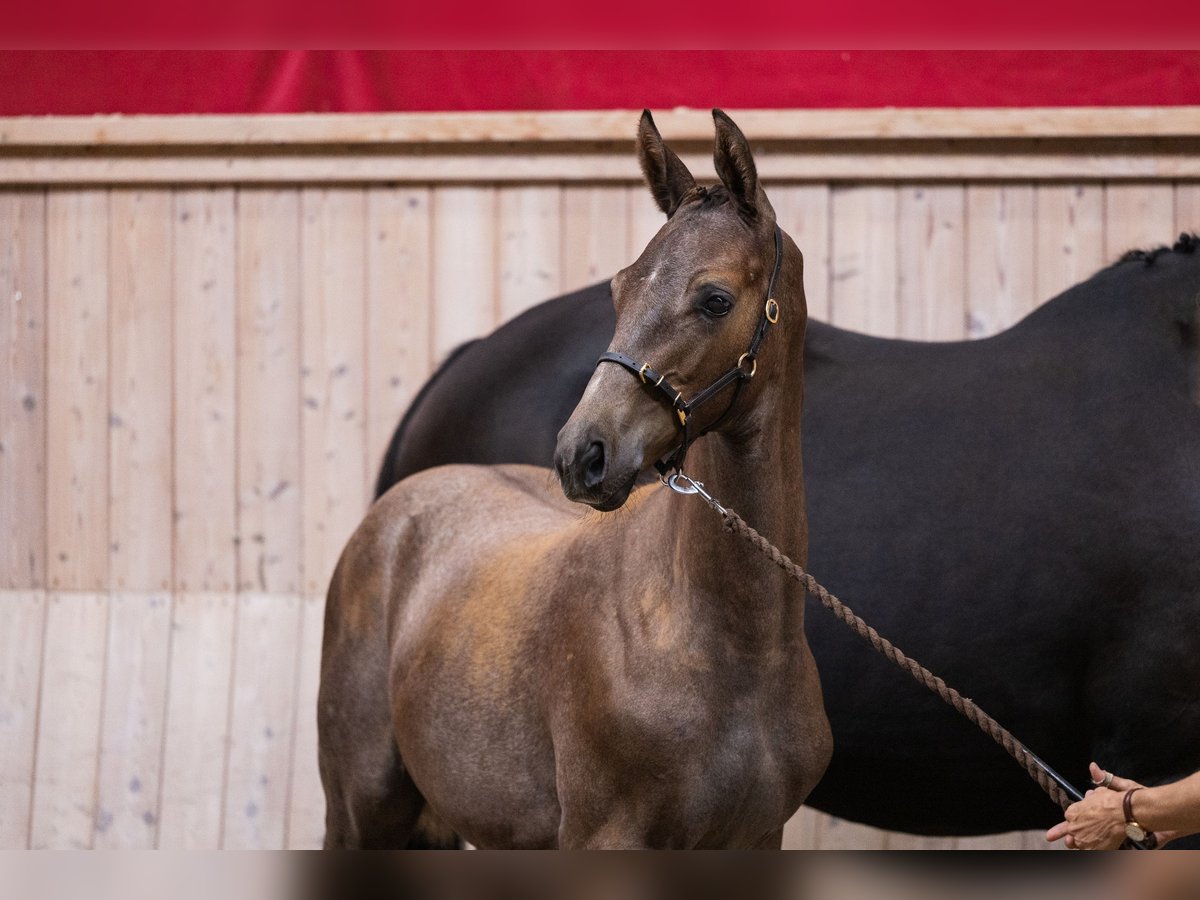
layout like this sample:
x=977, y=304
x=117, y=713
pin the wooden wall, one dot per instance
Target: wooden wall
x=201, y=372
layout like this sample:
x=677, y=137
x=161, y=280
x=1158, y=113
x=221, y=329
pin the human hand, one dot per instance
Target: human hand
x=1097, y=822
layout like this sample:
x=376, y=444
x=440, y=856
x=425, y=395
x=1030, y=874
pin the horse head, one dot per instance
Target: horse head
x=691, y=314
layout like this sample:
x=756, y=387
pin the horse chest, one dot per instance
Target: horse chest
x=677, y=760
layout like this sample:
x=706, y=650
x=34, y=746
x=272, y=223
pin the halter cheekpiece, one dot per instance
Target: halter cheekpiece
x=741, y=372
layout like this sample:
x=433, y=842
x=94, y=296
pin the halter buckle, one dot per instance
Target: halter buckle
x=772, y=310
x=642, y=372
x=753, y=365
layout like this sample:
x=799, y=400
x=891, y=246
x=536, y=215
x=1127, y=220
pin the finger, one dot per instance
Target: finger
x=1070, y=843
x=1058, y=831
x=1117, y=784
x=1122, y=784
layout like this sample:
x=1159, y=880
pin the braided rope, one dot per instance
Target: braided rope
x=735, y=524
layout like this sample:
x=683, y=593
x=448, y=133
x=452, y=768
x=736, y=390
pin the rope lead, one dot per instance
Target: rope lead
x=1048, y=780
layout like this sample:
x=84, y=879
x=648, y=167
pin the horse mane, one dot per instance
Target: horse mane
x=1187, y=243
x=708, y=197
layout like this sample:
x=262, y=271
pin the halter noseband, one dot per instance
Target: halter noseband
x=738, y=375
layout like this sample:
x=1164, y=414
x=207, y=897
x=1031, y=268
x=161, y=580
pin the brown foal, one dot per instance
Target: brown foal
x=503, y=665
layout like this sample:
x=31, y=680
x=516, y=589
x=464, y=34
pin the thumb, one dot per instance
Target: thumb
x=1117, y=784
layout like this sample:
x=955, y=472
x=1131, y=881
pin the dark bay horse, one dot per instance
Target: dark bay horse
x=1020, y=513
x=531, y=675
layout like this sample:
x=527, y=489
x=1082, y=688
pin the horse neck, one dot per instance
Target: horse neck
x=757, y=471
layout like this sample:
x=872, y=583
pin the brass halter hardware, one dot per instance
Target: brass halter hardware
x=737, y=376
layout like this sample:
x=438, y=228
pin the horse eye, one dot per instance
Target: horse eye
x=716, y=305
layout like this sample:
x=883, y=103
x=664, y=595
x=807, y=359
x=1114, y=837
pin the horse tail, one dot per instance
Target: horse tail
x=390, y=472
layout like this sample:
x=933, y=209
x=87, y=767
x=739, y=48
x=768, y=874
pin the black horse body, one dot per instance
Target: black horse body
x=1020, y=513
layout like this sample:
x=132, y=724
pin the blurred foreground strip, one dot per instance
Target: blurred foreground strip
x=210, y=875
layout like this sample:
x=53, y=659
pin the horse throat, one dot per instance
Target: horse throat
x=760, y=475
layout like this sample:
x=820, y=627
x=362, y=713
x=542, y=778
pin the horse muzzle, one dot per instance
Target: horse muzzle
x=591, y=472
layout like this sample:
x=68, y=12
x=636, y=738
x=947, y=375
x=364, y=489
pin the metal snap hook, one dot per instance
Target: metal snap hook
x=683, y=484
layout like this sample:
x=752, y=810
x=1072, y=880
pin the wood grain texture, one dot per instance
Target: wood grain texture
x=131, y=730
x=863, y=294
x=1187, y=207
x=306, y=799
x=333, y=390
x=931, y=264
x=803, y=212
x=1070, y=236
x=160, y=132
x=866, y=162
x=645, y=220
x=196, y=736
x=140, y=395
x=1137, y=217
x=262, y=720
x=268, y=391
x=22, y=627
x=530, y=247
x=464, y=266
x=64, y=789
x=399, y=314
x=595, y=226
x=23, y=389
x=205, y=414
x=1001, y=257
x=77, y=390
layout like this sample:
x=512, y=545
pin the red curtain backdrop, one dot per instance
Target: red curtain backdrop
x=81, y=82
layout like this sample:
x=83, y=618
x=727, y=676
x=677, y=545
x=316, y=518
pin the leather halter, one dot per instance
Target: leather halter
x=743, y=370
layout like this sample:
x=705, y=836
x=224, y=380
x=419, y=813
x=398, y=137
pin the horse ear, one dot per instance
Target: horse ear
x=735, y=164
x=668, y=177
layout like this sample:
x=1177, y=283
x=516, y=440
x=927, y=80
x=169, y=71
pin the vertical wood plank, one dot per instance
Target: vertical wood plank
x=77, y=389
x=930, y=245
x=261, y=722
x=530, y=247
x=803, y=212
x=595, y=234
x=1137, y=216
x=131, y=736
x=863, y=293
x=64, y=792
x=464, y=266
x=306, y=798
x=333, y=291
x=195, y=741
x=140, y=508
x=645, y=220
x=1001, y=257
x=23, y=389
x=1070, y=236
x=268, y=390
x=22, y=620
x=205, y=266
x=399, y=310
x=1187, y=207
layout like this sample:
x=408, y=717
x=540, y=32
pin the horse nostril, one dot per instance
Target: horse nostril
x=593, y=465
